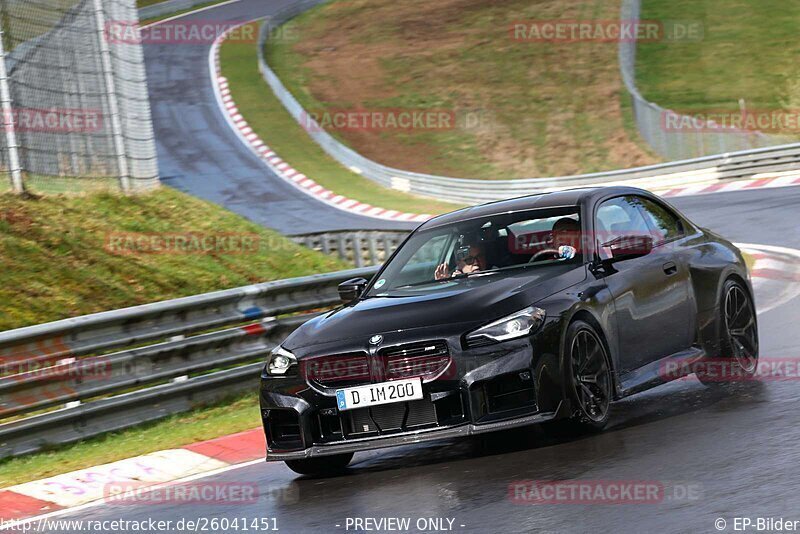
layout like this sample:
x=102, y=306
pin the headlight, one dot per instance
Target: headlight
x=516, y=325
x=280, y=360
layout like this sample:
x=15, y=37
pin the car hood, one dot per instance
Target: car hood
x=471, y=300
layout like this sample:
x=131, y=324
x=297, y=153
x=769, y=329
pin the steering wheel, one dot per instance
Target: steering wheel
x=552, y=251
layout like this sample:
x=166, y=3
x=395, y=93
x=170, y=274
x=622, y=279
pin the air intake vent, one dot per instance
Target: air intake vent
x=478, y=341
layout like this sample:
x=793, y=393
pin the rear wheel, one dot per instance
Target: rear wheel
x=325, y=465
x=738, y=337
x=587, y=374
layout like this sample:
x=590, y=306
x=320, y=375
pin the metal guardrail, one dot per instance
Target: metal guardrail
x=117, y=369
x=722, y=166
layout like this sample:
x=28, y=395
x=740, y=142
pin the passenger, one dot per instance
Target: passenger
x=475, y=261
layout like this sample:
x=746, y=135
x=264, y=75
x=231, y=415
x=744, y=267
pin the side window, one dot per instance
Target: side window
x=666, y=224
x=616, y=218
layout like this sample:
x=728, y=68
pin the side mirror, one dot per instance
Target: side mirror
x=628, y=247
x=352, y=289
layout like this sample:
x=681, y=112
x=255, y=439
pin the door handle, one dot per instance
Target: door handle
x=670, y=268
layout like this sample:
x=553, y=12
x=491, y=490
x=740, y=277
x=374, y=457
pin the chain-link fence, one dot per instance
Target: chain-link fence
x=75, y=106
x=653, y=121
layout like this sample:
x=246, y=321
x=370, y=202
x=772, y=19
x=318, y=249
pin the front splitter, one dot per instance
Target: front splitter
x=380, y=442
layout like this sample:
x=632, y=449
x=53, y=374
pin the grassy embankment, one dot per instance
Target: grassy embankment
x=523, y=108
x=57, y=261
x=269, y=119
x=747, y=55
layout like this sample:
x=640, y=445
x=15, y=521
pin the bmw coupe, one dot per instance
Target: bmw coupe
x=541, y=308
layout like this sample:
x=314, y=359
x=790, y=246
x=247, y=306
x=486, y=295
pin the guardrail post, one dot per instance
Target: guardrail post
x=373, y=253
x=17, y=184
x=359, y=259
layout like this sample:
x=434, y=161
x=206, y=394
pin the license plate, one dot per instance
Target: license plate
x=375, y=394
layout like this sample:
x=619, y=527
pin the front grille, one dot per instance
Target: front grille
x=385, y=418
x=333, y=426
x=426, y=359
x=340, y=370
x=421, y=413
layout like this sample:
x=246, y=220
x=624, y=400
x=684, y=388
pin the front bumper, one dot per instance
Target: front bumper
x=420, y=436
x=489, y=388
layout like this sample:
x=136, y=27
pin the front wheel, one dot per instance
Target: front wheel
x=587, y=374
x=325, y=465
x=738, y=338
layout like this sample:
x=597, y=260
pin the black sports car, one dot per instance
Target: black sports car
x=522, y=311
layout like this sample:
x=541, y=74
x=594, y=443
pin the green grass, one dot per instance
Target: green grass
x=545, y=109
x=749, y=51
x=144, y=3
x=54, y=185
x=56, y=263
x=268, y=118
x=205, y=423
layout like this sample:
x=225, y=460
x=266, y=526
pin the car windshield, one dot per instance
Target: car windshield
x=493, y=246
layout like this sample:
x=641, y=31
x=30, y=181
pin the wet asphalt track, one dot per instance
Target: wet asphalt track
x=200, y=154
x=735, y=453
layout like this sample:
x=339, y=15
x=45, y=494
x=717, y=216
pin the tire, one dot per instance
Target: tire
x=588, y=380
x=325, y=465
x=737, y=360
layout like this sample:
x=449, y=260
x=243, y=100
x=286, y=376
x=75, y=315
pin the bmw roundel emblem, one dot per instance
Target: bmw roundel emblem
x=376, y=339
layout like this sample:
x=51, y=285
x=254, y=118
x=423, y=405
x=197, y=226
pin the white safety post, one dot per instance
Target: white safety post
x=14, y=168
x=113, y=104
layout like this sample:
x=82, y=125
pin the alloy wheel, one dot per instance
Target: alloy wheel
x=740, y=326
x=591, y=375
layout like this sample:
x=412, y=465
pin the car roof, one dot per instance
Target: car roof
x=554, y=199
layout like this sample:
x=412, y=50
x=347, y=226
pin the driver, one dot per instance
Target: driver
x=474, y=262
x=566, y=232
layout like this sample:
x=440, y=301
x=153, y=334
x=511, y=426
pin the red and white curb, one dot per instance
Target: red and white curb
x=775, y=274
x=279, y=166
x=158, y=469
x=758, y=181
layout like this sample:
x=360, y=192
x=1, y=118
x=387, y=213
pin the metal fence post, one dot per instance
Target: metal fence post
x=14, y=168
x=113, y=104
